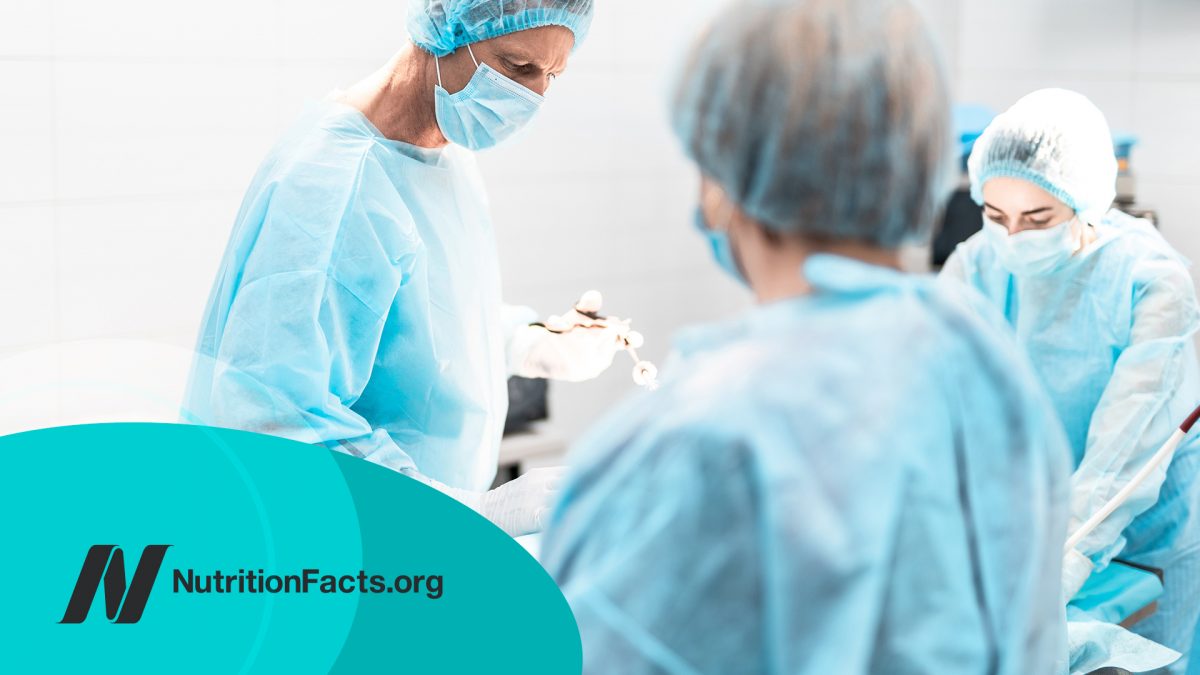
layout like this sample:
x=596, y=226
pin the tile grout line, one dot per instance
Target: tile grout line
x=163, y=197
x=55, y=180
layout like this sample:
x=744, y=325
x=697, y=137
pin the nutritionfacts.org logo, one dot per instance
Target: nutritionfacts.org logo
x=104, y=568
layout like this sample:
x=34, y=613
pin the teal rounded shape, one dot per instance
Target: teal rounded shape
x=249, y=507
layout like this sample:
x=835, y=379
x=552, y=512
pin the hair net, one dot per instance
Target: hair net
x=1057, y=140
x=820, y=117
x=442, y=26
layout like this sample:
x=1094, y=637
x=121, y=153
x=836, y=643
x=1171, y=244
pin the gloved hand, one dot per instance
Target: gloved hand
x=519, y=507
x=574, y=347
x=523, y=506
x=1076, y=569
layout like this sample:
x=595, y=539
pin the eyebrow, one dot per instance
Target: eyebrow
x=1030, y=212
x=518, y=55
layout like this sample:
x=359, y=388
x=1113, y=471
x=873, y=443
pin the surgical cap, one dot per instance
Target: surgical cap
x=825, y=118
x=442, y=26
x=1057, y=140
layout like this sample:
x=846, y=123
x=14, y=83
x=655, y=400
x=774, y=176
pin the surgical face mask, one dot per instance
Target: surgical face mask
x=1032, y=252
x=722, y=250
x=488, y=110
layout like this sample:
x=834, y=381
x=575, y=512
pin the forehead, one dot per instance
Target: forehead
x=546, y=46
x=1017, y=195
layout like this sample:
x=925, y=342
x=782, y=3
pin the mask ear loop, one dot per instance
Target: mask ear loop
x=437, y=64
x=731, y=213
x=727, y=210
x=1082, y=238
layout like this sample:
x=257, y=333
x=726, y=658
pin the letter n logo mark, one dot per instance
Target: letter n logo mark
x=106, y=562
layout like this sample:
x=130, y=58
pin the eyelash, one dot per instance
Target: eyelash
x=525, y=69
x=999, y=216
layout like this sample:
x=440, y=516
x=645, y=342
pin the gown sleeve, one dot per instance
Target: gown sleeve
x=305, y=325
x=1151, y=390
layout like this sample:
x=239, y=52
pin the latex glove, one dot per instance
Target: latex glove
x=519, y=507
x=1076, y=569
x=574, y=347
x=523, y=506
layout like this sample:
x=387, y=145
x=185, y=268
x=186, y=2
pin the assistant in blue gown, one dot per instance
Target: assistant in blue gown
x=861, y=474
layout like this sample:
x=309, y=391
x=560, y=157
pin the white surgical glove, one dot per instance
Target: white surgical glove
x=578, y=355
x=574, y=347
x=1076, y=569
x=523, y=506
x=519, y=507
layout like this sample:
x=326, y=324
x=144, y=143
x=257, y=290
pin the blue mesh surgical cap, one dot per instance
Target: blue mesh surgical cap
x=1057, y=140
x=442, y=26
x=823, y=118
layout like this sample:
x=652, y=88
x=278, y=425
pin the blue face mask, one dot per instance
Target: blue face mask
x=1032, y=253
x=488, y=110
x=722, y=250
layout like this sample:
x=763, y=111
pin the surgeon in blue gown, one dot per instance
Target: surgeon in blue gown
x=1107, y=311
x=358, y=303
x=860, y=474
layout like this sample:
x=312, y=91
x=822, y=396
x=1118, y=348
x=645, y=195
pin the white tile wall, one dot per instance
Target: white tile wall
x=1115, y=96
x=295, y=84
x=943, y=18
x=27, y=138
x=1178, y=206
x=151, y=129
x=103, y=380
x=160, y=32
x=1080, y=36
x=29, y=396
x=138, y=268
x=25, y=28
x=1168, y=43
x=1167, y=121
x=317, y=31
x=29, y=281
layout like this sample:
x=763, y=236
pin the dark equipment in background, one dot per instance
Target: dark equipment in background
x=963, y=218
x=526, y=404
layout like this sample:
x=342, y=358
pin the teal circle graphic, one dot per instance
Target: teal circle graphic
x=401, y=579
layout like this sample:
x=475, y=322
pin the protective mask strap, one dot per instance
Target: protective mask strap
x=437, y=64
x=1077, y=227
x=730, y=210
x=1085, y=229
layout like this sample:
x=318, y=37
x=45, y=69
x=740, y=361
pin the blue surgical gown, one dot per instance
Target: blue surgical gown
x=1111, y=336
x=358, y=304
x=864, y=480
